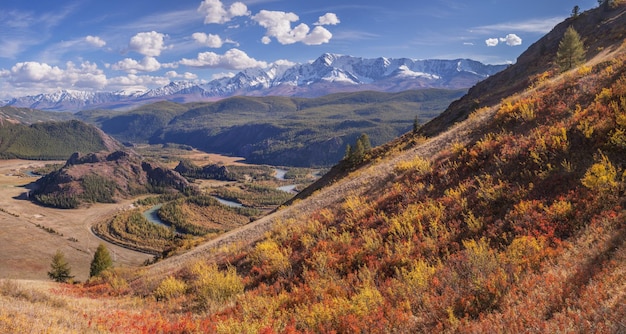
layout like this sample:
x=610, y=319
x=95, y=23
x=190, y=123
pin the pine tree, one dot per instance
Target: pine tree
x=60, y=270
x=348, y=154
x=365, y=142
x=571, y=51
x=416, y=125
x=101, y=261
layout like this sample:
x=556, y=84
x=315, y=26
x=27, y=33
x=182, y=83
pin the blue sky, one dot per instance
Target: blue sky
x=110, y=45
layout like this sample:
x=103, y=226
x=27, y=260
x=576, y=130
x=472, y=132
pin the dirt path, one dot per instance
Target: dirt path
x=31, y=234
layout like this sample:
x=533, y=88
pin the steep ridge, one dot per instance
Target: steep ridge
x=600, y=29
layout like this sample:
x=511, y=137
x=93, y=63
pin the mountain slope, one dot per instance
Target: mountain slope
x=596, y=29
x=512, y=220
x=104, y=177
x=278, y=130
x=51, y=140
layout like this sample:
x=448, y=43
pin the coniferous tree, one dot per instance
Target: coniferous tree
x=571, y=51
x=358, y=152
x=60, y=270
x=348, y=154
x=365, y=142
x=416, y=125
x=101, y=261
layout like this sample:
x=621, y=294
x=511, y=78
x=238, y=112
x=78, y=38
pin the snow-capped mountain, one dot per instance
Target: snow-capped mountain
x=330, y=73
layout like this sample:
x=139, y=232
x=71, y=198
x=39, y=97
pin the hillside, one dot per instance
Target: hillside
x=278, y=130
x=511, y=219
x=51, y=140
x=104, y=177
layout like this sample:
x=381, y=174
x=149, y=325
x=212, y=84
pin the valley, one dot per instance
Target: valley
x=30, y=234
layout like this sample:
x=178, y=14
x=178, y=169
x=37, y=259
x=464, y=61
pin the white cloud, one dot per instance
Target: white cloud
x=278, y=25
x=149, y=44
x=511, y=40
x=95, y=41
x=215, y=12
x=185, y=76
x=468, y=43
x=147, y=64
x=210, y=40
x=222, y=75
x=540, y=26
x=136, y=82
x=43, y=76
x=491, y=41
x=234, y=59
x=328, y=19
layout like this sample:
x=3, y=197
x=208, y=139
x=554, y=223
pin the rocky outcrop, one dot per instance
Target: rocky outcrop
x=211, y=171
x=106, y=177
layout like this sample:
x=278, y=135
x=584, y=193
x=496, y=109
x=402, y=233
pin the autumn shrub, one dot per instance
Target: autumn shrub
x=270, y=258
x=213, y=288
x=602, y=177
x=169, y=288
x=418, y=165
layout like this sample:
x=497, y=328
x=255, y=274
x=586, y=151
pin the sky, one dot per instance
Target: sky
x=96, y=45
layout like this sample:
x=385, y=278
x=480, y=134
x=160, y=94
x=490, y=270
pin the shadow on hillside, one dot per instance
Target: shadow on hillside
x=28, y=194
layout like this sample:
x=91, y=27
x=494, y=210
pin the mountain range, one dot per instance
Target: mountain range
x=330, y=73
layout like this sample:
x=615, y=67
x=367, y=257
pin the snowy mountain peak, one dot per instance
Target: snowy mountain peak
x=329, y=73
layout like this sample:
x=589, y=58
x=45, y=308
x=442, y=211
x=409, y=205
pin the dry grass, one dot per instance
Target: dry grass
x=25, y=241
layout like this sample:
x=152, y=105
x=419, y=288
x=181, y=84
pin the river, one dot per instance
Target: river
x=153, y=217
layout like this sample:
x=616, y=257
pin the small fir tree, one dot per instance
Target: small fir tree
x=348, y=154
x=571, y=51
x=60, y=270
x=416, y=125
x=365, y=141
x=101, y=261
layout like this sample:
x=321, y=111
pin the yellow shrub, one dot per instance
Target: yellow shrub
x=583, y=70
x=602, y=177
x=213, y=287
x=269, y=253
x=169, y=288
x=418, y=164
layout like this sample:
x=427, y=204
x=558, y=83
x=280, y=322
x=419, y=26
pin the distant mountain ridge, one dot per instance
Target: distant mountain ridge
x=330, y=73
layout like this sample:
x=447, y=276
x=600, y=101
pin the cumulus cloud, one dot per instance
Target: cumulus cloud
x=42, y=75
x=233, y=59
x=185, y=76
x=210, y=40
x=216, y=76
x=140, y=82
x=149, y=44
x=278, y=25
x=215, y=12
x=328, y=19
x=492, y=41
x=95, y=41
x=147, y=64
x=510, y=40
